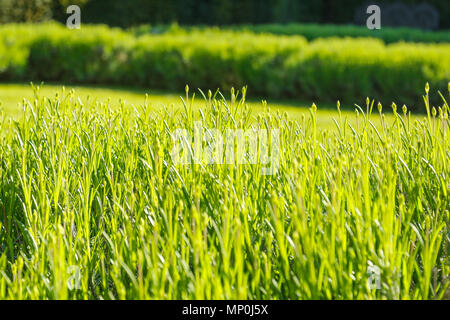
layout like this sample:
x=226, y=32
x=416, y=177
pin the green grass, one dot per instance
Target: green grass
x=11, y=96
x=89, y=192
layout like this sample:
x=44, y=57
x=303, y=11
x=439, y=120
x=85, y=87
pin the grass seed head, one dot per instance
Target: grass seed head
x=394, y=107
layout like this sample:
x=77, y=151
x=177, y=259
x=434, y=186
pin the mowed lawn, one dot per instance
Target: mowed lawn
x=12, y=95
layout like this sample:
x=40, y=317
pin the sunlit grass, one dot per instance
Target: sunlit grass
x=93, y=207
x=11, y=96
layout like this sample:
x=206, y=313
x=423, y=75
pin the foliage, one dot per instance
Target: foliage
x=222, y=12
x=275, y=66
x=25, y=10
x=313, y=31
x=88, y=188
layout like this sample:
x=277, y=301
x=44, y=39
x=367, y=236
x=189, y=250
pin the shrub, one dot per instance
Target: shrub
x=313, y=31
x=275, y=66
x=25, y=10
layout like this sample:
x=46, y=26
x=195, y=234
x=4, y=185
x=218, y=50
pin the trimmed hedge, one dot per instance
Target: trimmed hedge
x=313, y=31
x=275, y=66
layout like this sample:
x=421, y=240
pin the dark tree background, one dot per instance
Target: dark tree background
x=125, y=13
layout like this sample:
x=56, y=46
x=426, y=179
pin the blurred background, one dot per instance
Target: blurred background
x=291, y=52
x=410, y=13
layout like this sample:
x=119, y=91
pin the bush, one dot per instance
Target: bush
x=275, y=66
x=25, y=10
x=313, y=31
x=344, y=69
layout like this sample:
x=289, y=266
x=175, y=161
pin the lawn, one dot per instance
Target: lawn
x=95, y=203
x=11, y=96
x=123, y=177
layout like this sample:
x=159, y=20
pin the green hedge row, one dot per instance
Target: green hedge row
x=272, y=66
x=313, y=31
